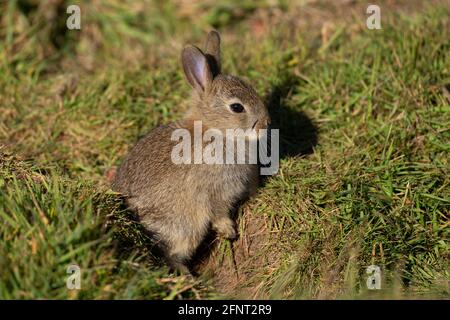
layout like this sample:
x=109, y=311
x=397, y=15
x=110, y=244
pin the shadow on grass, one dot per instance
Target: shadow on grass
x=298, y=134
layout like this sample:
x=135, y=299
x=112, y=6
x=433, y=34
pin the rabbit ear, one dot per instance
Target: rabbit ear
x=196, y=68
x=212, y=51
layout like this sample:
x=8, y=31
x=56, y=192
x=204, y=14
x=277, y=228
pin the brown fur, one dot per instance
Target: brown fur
x=180, y=202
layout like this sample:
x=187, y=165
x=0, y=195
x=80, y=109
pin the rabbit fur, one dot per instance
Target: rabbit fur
x=178, y=203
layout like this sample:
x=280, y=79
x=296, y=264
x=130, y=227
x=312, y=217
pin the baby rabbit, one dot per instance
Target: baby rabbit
x=178, y=203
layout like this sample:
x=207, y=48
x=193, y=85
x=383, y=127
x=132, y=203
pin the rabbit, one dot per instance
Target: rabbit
x=179, y=203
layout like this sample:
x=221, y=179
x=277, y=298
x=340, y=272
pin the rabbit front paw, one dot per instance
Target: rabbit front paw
x=225, y=228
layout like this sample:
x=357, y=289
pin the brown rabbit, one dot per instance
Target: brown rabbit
x=178, y=203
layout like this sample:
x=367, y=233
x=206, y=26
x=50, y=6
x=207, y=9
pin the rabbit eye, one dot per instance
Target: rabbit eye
x=237, y=107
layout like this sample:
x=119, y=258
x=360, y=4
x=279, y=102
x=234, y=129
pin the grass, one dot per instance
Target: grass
x=364, y=122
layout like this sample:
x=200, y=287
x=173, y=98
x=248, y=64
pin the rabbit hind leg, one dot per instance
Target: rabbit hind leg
x=179, y=254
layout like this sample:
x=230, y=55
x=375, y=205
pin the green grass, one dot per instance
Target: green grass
x=364, y=117
x=50, y=222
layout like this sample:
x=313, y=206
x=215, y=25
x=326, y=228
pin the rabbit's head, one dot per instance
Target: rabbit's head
x=220, y=101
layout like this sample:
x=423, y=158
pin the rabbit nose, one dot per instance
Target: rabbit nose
x=265, y=122
x=262, y=123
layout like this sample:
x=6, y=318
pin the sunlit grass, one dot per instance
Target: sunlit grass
x=364, y=174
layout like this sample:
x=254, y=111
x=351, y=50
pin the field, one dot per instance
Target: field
x=364, y=119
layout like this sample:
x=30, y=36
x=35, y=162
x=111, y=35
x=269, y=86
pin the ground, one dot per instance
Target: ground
x=364, y=118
